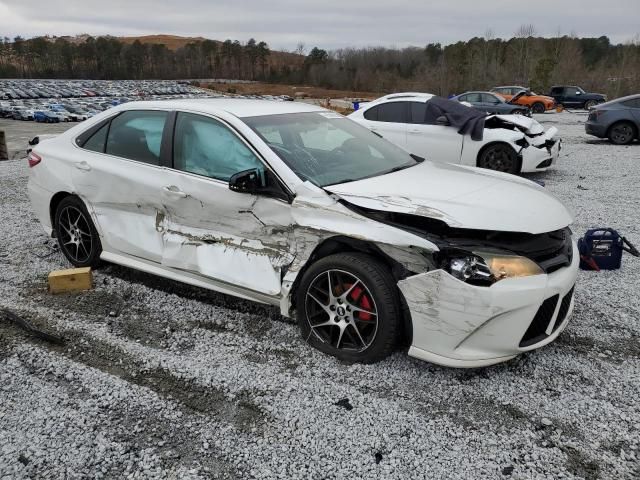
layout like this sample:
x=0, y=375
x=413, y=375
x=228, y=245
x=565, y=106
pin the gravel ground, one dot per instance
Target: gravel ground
x=161, y=380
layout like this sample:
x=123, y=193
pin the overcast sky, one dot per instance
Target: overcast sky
x=328, y=24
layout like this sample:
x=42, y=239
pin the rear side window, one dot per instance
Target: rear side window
x=137, y=135
x=207, y=147
x=96, y=142
x=392, y=112
x=633, y=103
x=474, y=98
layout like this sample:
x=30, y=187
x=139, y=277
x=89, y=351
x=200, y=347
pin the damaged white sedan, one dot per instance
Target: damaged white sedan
x=448, y=131
x=296, y=206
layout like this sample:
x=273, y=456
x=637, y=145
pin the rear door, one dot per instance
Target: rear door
x=435, y=142
x=239, y=239
x=389, y=120
x=120, y=178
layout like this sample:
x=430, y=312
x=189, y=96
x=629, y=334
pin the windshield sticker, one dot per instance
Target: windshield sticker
x=330, y=115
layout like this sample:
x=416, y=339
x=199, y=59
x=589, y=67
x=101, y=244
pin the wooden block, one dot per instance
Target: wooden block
x=71, y=280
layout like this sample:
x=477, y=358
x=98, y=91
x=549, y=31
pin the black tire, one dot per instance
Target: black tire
x=538, y=107
x=77, y=237
x=589, y=104
x=370, y=280
x=499, y=157
x=517, y=111
x=622, y=133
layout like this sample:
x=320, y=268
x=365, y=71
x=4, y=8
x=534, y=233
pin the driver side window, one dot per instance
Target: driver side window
x=205, y=146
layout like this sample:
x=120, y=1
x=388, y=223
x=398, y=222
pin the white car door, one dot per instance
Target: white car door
x=439, y=143
x=118, y=174
x=235, y=238
x=388, y=120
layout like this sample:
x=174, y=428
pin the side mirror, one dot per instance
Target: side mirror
x=257, y=182
x=247, y=181
x=442, y=120
x=578, y=93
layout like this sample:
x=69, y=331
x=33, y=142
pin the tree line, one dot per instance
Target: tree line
x=110, y=58
x=479, y=63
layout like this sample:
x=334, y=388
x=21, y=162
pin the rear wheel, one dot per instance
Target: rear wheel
x=348, y=307
x=499, y=157
x=538, y=107
x=589, y=104
x=77, y=236
x=622, y=133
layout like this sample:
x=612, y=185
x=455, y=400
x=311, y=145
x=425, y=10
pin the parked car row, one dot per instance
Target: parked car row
x=32, y=89
x=520, y=100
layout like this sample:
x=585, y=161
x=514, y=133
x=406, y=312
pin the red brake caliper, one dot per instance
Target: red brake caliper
x=364, y=303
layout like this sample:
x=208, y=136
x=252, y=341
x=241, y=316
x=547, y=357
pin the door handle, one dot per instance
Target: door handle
x=83, y=166
x=173, y=190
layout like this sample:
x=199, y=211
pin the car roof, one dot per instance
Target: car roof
x=403, y=96
x=239, y=107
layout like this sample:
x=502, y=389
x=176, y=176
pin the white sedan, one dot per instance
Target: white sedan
x=510, y=143
x=296, y=206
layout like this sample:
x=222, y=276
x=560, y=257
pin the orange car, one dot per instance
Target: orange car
x=524, y=96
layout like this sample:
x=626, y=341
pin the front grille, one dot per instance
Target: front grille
x=554, y=250
x=544, y=164
x=564, y=308
x=536, y=331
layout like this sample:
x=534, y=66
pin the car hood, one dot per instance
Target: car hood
x=462, y=197
x=526, y=124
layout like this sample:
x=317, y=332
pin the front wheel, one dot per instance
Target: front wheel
x=348, y=306
x=77, y=236
x=538, y=108
x=499, y=157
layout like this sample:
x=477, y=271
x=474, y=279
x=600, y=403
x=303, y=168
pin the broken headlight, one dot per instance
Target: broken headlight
x=486, y=268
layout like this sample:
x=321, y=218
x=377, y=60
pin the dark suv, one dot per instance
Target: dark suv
x=571, y=96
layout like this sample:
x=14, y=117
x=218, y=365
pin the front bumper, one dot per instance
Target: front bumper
x=460, y=325
x=542, y=153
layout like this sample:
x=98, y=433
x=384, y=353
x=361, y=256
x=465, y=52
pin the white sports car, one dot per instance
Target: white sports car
x=296, y=206
x=510, y=143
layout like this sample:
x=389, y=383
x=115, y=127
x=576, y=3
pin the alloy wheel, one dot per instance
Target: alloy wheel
x=341, y=311
x=75, y=234
x=499, y=159
x=622, y=134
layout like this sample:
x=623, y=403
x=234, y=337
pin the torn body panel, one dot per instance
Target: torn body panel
x=455, y=323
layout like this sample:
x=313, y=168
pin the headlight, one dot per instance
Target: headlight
x=486, y=268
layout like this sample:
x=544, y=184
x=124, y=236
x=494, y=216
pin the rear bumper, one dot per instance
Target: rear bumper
x=40, y=200
x=595, y=129
x=459, y=325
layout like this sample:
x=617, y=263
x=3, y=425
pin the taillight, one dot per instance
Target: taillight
x=34, y=159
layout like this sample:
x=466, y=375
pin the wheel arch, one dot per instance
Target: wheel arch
x=345, y=244
x=53, y=206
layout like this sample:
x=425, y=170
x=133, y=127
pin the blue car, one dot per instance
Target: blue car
x=45, y=117
x=489, y=102
x=617, y=120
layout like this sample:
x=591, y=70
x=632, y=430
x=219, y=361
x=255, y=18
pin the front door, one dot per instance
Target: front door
x=235, y=238
x=439, y=143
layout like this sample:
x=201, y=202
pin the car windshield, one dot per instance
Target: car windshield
x=327, y=148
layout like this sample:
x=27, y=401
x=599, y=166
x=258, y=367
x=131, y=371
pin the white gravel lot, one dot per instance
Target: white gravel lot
x=161, y=380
